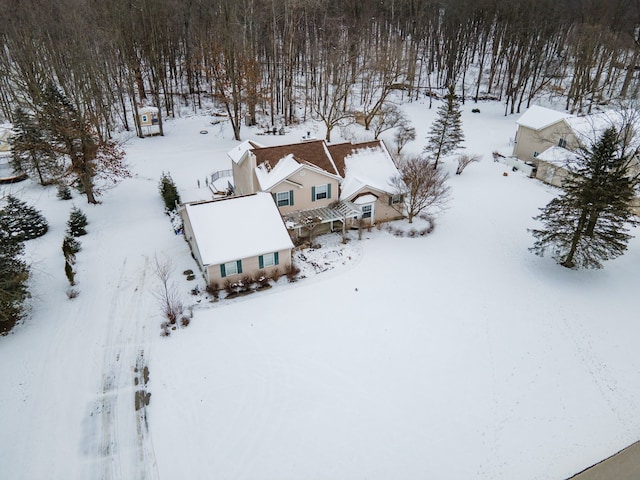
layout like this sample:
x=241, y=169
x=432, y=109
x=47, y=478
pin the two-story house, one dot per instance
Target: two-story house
x=339, y=184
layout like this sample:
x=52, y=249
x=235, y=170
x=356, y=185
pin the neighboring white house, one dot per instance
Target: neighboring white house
x=236, y=237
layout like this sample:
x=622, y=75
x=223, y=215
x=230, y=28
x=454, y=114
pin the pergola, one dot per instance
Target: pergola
x=340, y=211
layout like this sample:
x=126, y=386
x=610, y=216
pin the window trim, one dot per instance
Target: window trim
x=272, y=256
x=235, y=265
x=281, y=201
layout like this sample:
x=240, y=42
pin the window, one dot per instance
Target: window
x=535, y=154
x=145, y=119
x=284, y=198
x=367, y=210
x=268, y=260
x=396, y=199
x=231, y=268
x=562, y=143
x=320, y=192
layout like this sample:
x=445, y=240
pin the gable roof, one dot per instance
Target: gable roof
x=537, y=117
x=257, y=228
x=236, y=154
x=364, y=165
x=312, y=152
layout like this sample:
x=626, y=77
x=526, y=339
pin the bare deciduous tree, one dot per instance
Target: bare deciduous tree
x=406, y=133
x=464, y=160
x=423, y=186
x=167, y=293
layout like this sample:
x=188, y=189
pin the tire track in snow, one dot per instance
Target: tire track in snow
x=116, y=440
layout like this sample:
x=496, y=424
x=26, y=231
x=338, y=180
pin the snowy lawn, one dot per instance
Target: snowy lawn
x=453, y=355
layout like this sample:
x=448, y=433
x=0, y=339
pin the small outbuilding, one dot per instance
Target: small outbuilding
x=236, y=237
x=149, y=120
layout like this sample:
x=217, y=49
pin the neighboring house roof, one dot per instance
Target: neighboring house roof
x=143, y=110
x=366, y=165
x=238, y=152
x=558, y=156
x=237, y=227
x=590, y=128
x=537, y=117
x=313, y=153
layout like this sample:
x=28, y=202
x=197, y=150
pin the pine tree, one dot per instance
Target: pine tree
x=589, y=222
x=64, y=192
x=22, y=221
x=31, y=152
x=169, y=192
x=77, y=223
x=446, y=132
x=14, y=274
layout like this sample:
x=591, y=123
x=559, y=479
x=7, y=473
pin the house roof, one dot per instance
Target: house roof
x=237, y=153
x=589, y=129
x=270, y=177
x=147, y=109
x=537, y=117
x=365, y=165
x=558, y=156
x=312, y=152
x=237, y=228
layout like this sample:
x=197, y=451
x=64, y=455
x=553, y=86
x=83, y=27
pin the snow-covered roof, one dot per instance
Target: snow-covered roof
x=237, y=228
x=268, y=176
x=589, y=129
x=537, y=117
x=237, y=153
x=364, y=199
x=148, y=109
x=370, y=167
x=557, y=156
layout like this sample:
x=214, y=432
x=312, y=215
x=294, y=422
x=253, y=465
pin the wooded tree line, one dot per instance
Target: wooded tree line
x=287, y=60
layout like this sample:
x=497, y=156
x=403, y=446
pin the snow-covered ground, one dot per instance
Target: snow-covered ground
x=453, y=355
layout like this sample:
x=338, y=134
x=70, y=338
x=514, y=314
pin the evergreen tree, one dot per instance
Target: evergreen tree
x=70, y=246
x=31, y=152
x=169, y=192
x=64, y=192
x=14, y=274
x=22, y=221
x=589, y=222
x=77, y=223
x=446, y=132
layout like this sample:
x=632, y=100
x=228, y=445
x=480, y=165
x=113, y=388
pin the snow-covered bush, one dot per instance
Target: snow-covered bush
x=64, y=192
x=77, y=223
x=21, y=221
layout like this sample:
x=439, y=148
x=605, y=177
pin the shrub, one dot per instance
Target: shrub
x=70, y=246
x=475, y=110
x=276, y=274
x=246, y=283
x=72, y=293
x=21, y=221
x=229, y=287
x=77, y=223
x=292, y=273
x=68, y=271
x=261, y=279
x=214, y=289
x=64, y=192
x=169, y=192
x=185, y=321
